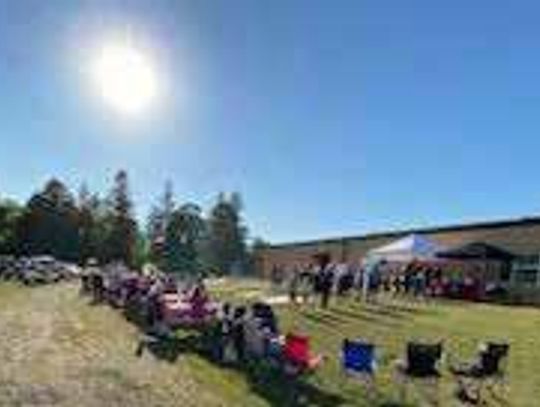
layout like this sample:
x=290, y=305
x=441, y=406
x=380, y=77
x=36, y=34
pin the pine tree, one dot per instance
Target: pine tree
x=157, y=223
x=226, y=239
x=122, y=233
x=10, y=214
x=92, y=229
x=182, y=240
x=50, y=223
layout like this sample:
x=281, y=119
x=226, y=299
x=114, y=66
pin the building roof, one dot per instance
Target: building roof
x=518, y=222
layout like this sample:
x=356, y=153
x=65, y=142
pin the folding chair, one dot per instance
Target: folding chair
x=358, y=359
x=487, y=370
x=297, y=355
x=420, y=367
x=266, y=316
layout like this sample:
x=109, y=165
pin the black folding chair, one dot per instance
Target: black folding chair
x=420, y=367
x=266, y=316
x=488, y=370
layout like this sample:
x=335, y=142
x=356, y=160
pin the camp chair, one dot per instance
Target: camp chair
x=266, y=316
x=98, y=287
x=297, y=355
x=488, y=369
x=420, y=366
x=86, y=284
x=358, y=360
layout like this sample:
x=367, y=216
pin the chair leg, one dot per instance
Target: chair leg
x=480, y=391
x=498, y=388
x=433, y=386
x=403, y=383
x=371, y=387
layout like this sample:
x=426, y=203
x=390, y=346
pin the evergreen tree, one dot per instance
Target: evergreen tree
x=226, y=235
x=10, y=215
x=92, y=227
x=49, y=224
x=255, y=258
x=121, y=224
x=182, y=239
x=157, y=223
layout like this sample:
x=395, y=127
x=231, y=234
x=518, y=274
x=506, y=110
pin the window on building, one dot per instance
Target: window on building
x=529, y=261
x=526, y=269
x=527, y=276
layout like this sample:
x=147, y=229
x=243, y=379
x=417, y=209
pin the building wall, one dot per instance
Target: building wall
x=520, y=237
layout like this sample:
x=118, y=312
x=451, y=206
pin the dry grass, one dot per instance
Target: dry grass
x=56, y=349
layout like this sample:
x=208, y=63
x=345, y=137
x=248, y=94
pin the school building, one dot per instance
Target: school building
x=520, y=237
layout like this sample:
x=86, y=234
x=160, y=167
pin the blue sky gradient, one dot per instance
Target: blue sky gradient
x=330, y=118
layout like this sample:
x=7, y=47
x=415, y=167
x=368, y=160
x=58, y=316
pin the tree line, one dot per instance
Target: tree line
x=177, y=237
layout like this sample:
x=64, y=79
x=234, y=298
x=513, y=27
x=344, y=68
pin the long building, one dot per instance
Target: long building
x=518, y=236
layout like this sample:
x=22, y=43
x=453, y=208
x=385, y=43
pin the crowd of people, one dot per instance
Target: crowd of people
x=246, y=331
x=323, y=279
x=239, y=332
x=156, y=298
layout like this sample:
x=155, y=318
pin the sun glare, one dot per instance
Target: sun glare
x=125, y=78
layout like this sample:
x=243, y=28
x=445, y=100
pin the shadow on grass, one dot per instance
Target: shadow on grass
x=395, y=310
x=366, y=316
x=425, y=308
x=266, y=380
x=324, y=318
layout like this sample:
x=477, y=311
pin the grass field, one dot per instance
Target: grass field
x=56, y=349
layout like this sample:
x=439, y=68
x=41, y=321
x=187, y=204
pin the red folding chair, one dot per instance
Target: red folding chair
x=297, y=354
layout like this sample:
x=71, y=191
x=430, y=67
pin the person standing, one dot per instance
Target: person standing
x=222, y=334
x=293, y=285
x=358, y=280
x=239, y=333
x=327, y=280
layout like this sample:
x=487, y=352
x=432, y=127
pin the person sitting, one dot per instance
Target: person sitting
x=154, y=312
x=238, y=333
x=86, y=284
x=262, y=332
x=297, y=355
x=98, y=287
x=255, y=336
x=224, y=347
x=266, y=316
x=200, y=304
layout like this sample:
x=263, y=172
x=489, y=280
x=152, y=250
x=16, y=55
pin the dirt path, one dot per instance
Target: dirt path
x=57, y=350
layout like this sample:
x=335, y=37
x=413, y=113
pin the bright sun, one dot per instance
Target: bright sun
x=125, y=78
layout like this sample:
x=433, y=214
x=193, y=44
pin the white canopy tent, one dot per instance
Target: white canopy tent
x=406, y=249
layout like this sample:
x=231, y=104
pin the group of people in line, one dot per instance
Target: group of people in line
x=239, y=333
x=414, y=279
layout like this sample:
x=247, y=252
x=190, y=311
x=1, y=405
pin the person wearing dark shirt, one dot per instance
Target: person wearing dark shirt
x=293, y=286
x=327, y=282
x=238, y=333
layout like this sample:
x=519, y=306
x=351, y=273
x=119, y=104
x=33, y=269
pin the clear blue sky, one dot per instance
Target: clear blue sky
x=329, y=117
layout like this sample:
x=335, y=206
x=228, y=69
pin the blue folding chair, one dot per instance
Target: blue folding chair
x=358, y=359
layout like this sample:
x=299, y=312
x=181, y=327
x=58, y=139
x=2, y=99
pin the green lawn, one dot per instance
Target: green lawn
x=56, y=349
